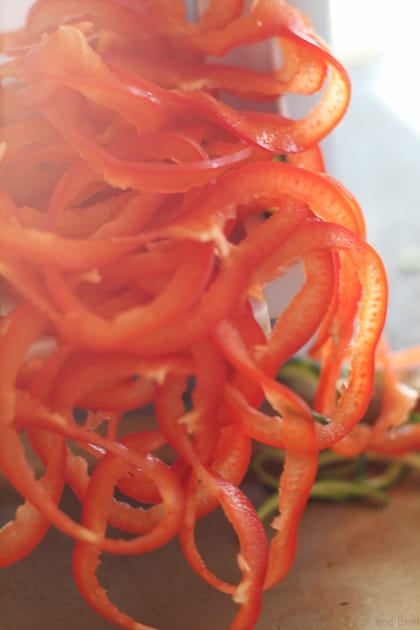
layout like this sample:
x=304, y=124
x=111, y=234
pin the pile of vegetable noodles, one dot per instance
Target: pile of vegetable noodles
x=126, y=187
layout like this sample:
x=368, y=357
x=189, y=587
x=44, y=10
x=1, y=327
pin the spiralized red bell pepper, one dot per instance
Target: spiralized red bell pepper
x=126, y=185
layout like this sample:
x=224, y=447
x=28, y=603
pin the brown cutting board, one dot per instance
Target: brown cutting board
x=356, y=567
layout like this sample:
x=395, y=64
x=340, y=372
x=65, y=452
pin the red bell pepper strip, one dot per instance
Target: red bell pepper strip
x=135, y=210
x=79, y=67
x=96, y=506
x=277, y=19
x=169, y=146
x=354, y=443
x=302, y=316
x=341, y=330
x=296, y=482
x=21, y=536
x=46, y=15
x=272, y=132
x=132, y=219
x=143, y=176
x=81, y=374
x=369, y=268
x=352, y=201
x=116, y=304
x=266, y=184
x=231, y=462
x=251, y=331
x=75, y=222
x=136, y=484
x=24, y=325
x=14, y=465
x=166, y=515
x=18, y=134
x=323, y=334
x=217, y=16
x=123, y=396
x=397, y=402
x=210, y=375
x=228, y=287
x=299, y=438
x=398, y=399
x=187, y=540
x=54, y=250
x=231, y=345
x=252, y=558
x=194, y=75
x=33, y=415
x=312, y=159
x=87, y=329
x=13, y=110
x=295, y=325
x=259, y=426
x=73, y=181
x=160, y=259
x=122, y=515
x=400, y=441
